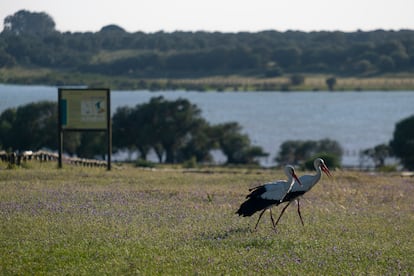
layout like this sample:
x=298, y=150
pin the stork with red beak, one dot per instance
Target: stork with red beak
x=304, y=185
x=263, y=197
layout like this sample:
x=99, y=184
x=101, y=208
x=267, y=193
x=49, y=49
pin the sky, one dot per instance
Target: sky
x=220, y=15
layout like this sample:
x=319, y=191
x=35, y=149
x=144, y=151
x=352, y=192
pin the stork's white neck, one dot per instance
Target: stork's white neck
x=317, y=176
x=308, y=180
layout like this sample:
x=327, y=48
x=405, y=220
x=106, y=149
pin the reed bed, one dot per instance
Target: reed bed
x=312, y=82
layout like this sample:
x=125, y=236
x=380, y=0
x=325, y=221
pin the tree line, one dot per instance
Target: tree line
x=173, y=130
x=29, y=39
x=176, y=133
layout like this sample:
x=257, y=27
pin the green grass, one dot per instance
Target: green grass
x=79, y=221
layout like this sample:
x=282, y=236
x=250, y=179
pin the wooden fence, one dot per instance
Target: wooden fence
x=17, y=159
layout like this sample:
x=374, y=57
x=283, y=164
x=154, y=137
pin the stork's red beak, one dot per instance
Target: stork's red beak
x=326, y=170
x=296, y=178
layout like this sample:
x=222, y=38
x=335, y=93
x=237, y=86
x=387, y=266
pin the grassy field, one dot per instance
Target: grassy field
x=129, y=221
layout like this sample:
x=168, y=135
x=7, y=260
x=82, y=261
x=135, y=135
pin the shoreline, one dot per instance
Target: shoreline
x=211, y=90
x=316, y=82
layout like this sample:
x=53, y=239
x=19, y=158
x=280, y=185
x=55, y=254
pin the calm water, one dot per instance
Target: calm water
x=357, y=120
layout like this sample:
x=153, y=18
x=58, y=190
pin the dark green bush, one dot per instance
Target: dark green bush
x=332, y=161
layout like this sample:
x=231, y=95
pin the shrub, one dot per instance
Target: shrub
x=402, y=143
x=298, y=151
x=144, y=163
x=331, y=160
x=190, y=163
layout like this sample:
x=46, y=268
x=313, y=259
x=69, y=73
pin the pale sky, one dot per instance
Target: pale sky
x=220, y=15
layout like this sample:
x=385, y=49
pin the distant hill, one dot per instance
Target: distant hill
x=29, y=41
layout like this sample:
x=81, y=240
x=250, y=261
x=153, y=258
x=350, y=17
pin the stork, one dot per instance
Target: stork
x=263, y=197
x=305, y=185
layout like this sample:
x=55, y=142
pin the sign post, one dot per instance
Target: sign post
x=84, y=110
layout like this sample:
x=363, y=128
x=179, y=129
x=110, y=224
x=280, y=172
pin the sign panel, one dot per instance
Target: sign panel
x=84, y=108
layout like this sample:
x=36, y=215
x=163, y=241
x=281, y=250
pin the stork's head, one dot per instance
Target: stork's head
x=290, y=172
x=319, y=163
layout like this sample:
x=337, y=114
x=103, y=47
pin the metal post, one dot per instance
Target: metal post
x=109, y=128
x=60, y=133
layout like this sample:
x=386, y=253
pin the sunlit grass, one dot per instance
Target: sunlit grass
x=175, y=222
x=22, y=72
x=312, y=82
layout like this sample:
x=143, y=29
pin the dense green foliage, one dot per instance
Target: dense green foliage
x=332, y=160
x=299, y=151
x=402, y=143
x=85, y=221
x=378, y=154
x=24, y=22
x=177, y=133
x=114, y=52
x=33, y=127
x=174, y=130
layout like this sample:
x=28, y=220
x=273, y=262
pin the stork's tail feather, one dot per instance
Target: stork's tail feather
x=254, y=188
x=254, y=204
x=256, y=191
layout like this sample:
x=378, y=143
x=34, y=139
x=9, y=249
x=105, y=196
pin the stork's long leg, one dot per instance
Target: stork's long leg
x=260, y=216
x=281, y=213
x=271, y=217
x=300, y=216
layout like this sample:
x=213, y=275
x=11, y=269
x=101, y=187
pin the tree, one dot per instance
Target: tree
x=328, y=146
x=173, y=123
x=331, y=82
x=6, y=60
x=92, y=145
x=362, y=66
x=237, y=146
x=30, y=39
x=124, y=135
x=32, y=127
x=133, y=129
x=199, y=145
x=287, y=152
x=298, y=151
x=378, y=154
x=25, y=22
x=176, y=131
x=169, y=127
x=297, y=79
x=402, y=143
x=251, y=153
x=331, y=160
x=7, y=119
x=386, y=64
x=112, y=28
x=287, y=57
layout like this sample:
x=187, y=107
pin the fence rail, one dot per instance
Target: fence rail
x=13, y=158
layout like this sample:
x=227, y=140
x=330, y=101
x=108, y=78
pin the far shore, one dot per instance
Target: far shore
x=397, y=82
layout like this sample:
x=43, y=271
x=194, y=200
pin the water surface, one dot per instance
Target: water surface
x=357, y=120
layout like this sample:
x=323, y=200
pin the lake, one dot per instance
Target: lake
x=357, y=120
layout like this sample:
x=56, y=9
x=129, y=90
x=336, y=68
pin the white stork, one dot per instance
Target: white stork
x=263, y=197
x=306, y=183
